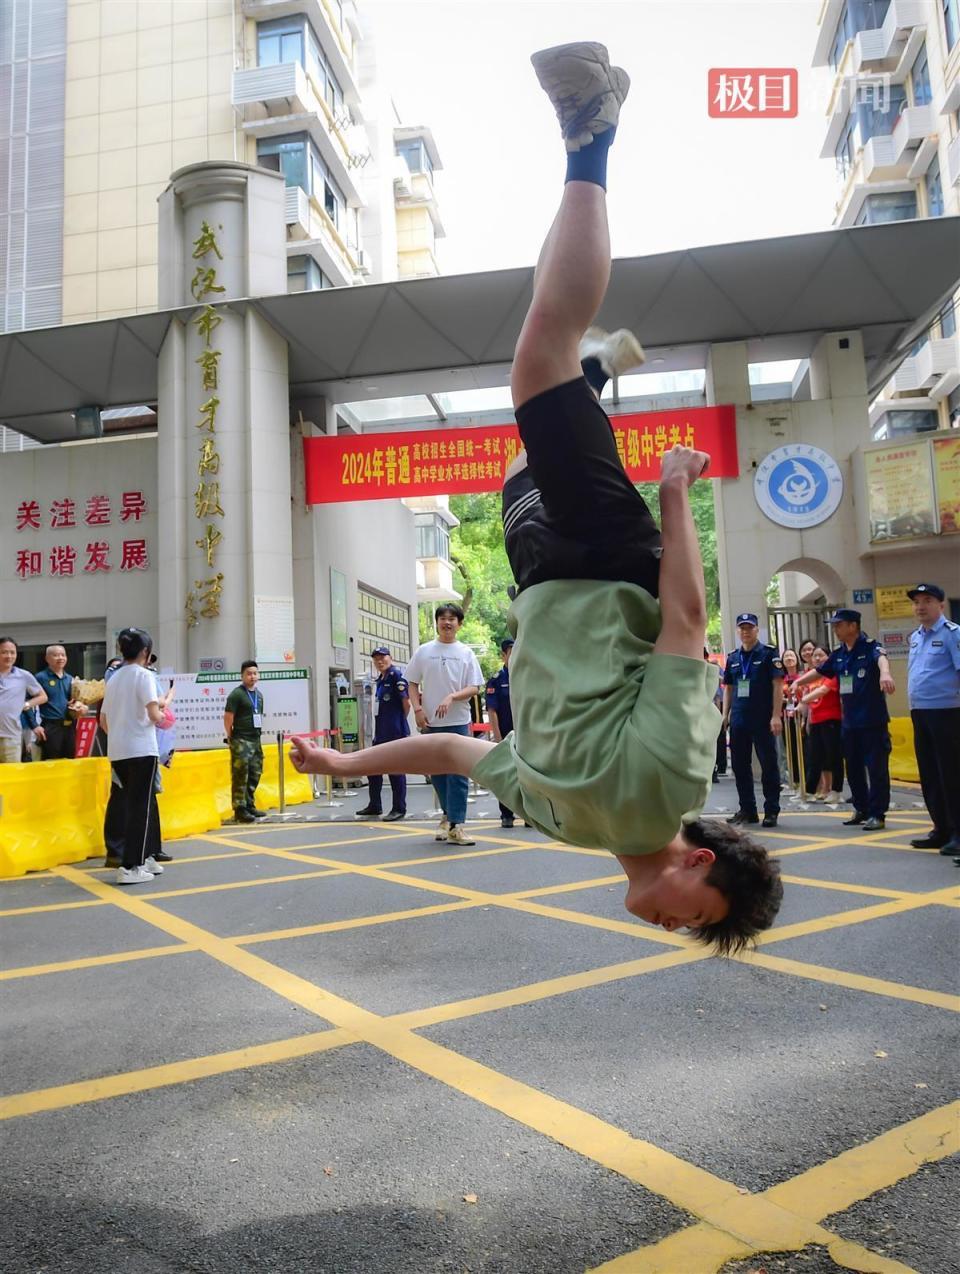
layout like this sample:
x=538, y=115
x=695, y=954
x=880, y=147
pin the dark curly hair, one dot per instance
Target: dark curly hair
x=747, y=877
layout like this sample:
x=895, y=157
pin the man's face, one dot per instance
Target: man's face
x=8, y=656
x=447, y=626
x=56, y=659
x=679, y=896
x=505, y=655
x=847, y=630
x=748, y=635
x=927, y=609
x=382, y=663
x=250, y=677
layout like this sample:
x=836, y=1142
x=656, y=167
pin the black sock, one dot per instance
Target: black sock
x=589, y=163
x=594, y=374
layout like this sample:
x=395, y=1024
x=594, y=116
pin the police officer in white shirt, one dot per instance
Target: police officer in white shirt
x=443, y=676
x=933, y=684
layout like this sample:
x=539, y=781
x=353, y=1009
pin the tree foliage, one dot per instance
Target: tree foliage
x=483, y=573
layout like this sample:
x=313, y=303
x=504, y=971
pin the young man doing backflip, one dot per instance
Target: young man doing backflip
x=621, y=758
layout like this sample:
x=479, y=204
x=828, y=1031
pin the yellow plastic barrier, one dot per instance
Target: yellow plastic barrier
x=903, y=759
x=52, y=812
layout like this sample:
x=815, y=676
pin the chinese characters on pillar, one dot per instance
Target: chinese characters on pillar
x=82, y=554
x=203, y=600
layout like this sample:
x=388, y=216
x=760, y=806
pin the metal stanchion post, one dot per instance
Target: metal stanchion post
x=802, y=789
x=280, y=774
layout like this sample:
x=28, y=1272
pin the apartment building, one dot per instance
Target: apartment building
x=101, y=100
x=894, y=133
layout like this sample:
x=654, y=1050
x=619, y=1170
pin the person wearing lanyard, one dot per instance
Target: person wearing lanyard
x=864, y=674
x=933, y=685
x=752, y=702
x=392, y=708
x=242, y=723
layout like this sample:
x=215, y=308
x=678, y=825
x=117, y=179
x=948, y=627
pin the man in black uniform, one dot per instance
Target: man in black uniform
x=498, y=711
x=863, y=670
x=392, y=707
x=57, y=731
x=752, y=699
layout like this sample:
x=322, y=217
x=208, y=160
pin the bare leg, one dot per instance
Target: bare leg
x=569, y=286
x=419, y=754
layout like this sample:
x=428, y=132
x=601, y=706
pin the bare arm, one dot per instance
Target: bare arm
x=419, y=716
x=417, y=754
x=683, y=604
x=805, y=678
x=776, y=725
x=727, y=701
x=887, y=684
x=815, y=694
x=37, y=699
x=494, y=724
x=154, y=712
x=228, y=725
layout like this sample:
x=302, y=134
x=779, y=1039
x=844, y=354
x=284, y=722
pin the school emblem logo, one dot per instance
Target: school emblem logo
x=798, y=485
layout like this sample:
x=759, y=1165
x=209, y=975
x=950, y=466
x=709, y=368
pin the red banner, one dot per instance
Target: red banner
x=85, y=735
x=385, y=466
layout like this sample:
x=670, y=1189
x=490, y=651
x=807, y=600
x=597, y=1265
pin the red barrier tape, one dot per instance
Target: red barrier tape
x=312, y=734
x=483, y=728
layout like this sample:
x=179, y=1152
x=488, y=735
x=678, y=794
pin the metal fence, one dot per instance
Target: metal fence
x=789, y=626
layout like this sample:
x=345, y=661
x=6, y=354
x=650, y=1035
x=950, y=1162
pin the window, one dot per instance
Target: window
x=951, y=21
x=920, y=79
x=846, y=152
x=843, y=34
x=868, y=15
x=287, y=155
x=280, y=41
x=416, y=156
x=433, y=536
x=879, y=109
x=299, y=160
x=948, y=320
x=901, y=206
x=383, y=622
x=894, y=424
x=934, y=190
x=304, y=275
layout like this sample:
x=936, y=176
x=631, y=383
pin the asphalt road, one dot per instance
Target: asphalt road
x=329, y=1046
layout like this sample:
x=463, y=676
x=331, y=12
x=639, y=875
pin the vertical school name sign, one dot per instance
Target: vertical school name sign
x=203, y=599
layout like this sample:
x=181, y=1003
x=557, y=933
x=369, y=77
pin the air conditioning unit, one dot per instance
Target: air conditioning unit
x=363, y=261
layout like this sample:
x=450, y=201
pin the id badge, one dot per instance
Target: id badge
x=846, y=684
x=257, y=721
x=743, y=689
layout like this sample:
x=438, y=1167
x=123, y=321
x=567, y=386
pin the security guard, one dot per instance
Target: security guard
x=498, y=710
x=933, y=684
x=391, y=708
x=752, y=700
x=863, y=670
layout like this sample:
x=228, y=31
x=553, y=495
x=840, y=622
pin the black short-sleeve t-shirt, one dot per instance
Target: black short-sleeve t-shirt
x=241, y=703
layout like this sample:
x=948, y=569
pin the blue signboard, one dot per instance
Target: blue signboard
x=863, y=597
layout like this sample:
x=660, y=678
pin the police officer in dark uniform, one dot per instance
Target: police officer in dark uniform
x=498, y=710
x=863, y=671
x=392, y=706
x=752, y=700
x=933, y=684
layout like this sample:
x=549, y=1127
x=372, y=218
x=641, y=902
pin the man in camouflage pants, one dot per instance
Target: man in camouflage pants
x=242, y=723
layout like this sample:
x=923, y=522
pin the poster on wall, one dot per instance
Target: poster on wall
x=900, y=497
x=273, y=630
x=892, y=602
x=896, y=641
x=946, y=468
x=199, y=700
x=338, y=608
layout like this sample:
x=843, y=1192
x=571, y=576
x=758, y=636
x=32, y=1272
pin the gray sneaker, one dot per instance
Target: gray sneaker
x=616, y=352
x=586, y=91
x=133, y=876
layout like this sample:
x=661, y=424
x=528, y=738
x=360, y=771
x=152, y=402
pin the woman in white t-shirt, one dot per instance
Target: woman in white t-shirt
x=443, y=676
x=130, y=714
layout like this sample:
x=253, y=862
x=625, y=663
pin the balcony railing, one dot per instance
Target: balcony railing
x=907, y=150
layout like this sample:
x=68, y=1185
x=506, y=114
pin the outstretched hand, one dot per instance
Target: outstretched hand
x=308, y=757
x=684, y=463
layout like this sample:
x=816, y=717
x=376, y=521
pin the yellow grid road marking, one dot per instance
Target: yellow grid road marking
x=807, y=1198
x=358, y=922
x=854, y=981
x=93, y=962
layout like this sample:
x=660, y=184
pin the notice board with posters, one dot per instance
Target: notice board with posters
x=199, y=700
x=946, y=470
x=900, y=495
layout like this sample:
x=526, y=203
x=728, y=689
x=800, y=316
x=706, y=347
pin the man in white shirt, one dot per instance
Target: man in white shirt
x=443, y=676
x=19, y=691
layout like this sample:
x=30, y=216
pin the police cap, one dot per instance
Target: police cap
x=929, y=590
x=506, y=643
x=843, y=615
x=747, y=618
x=381, y=650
